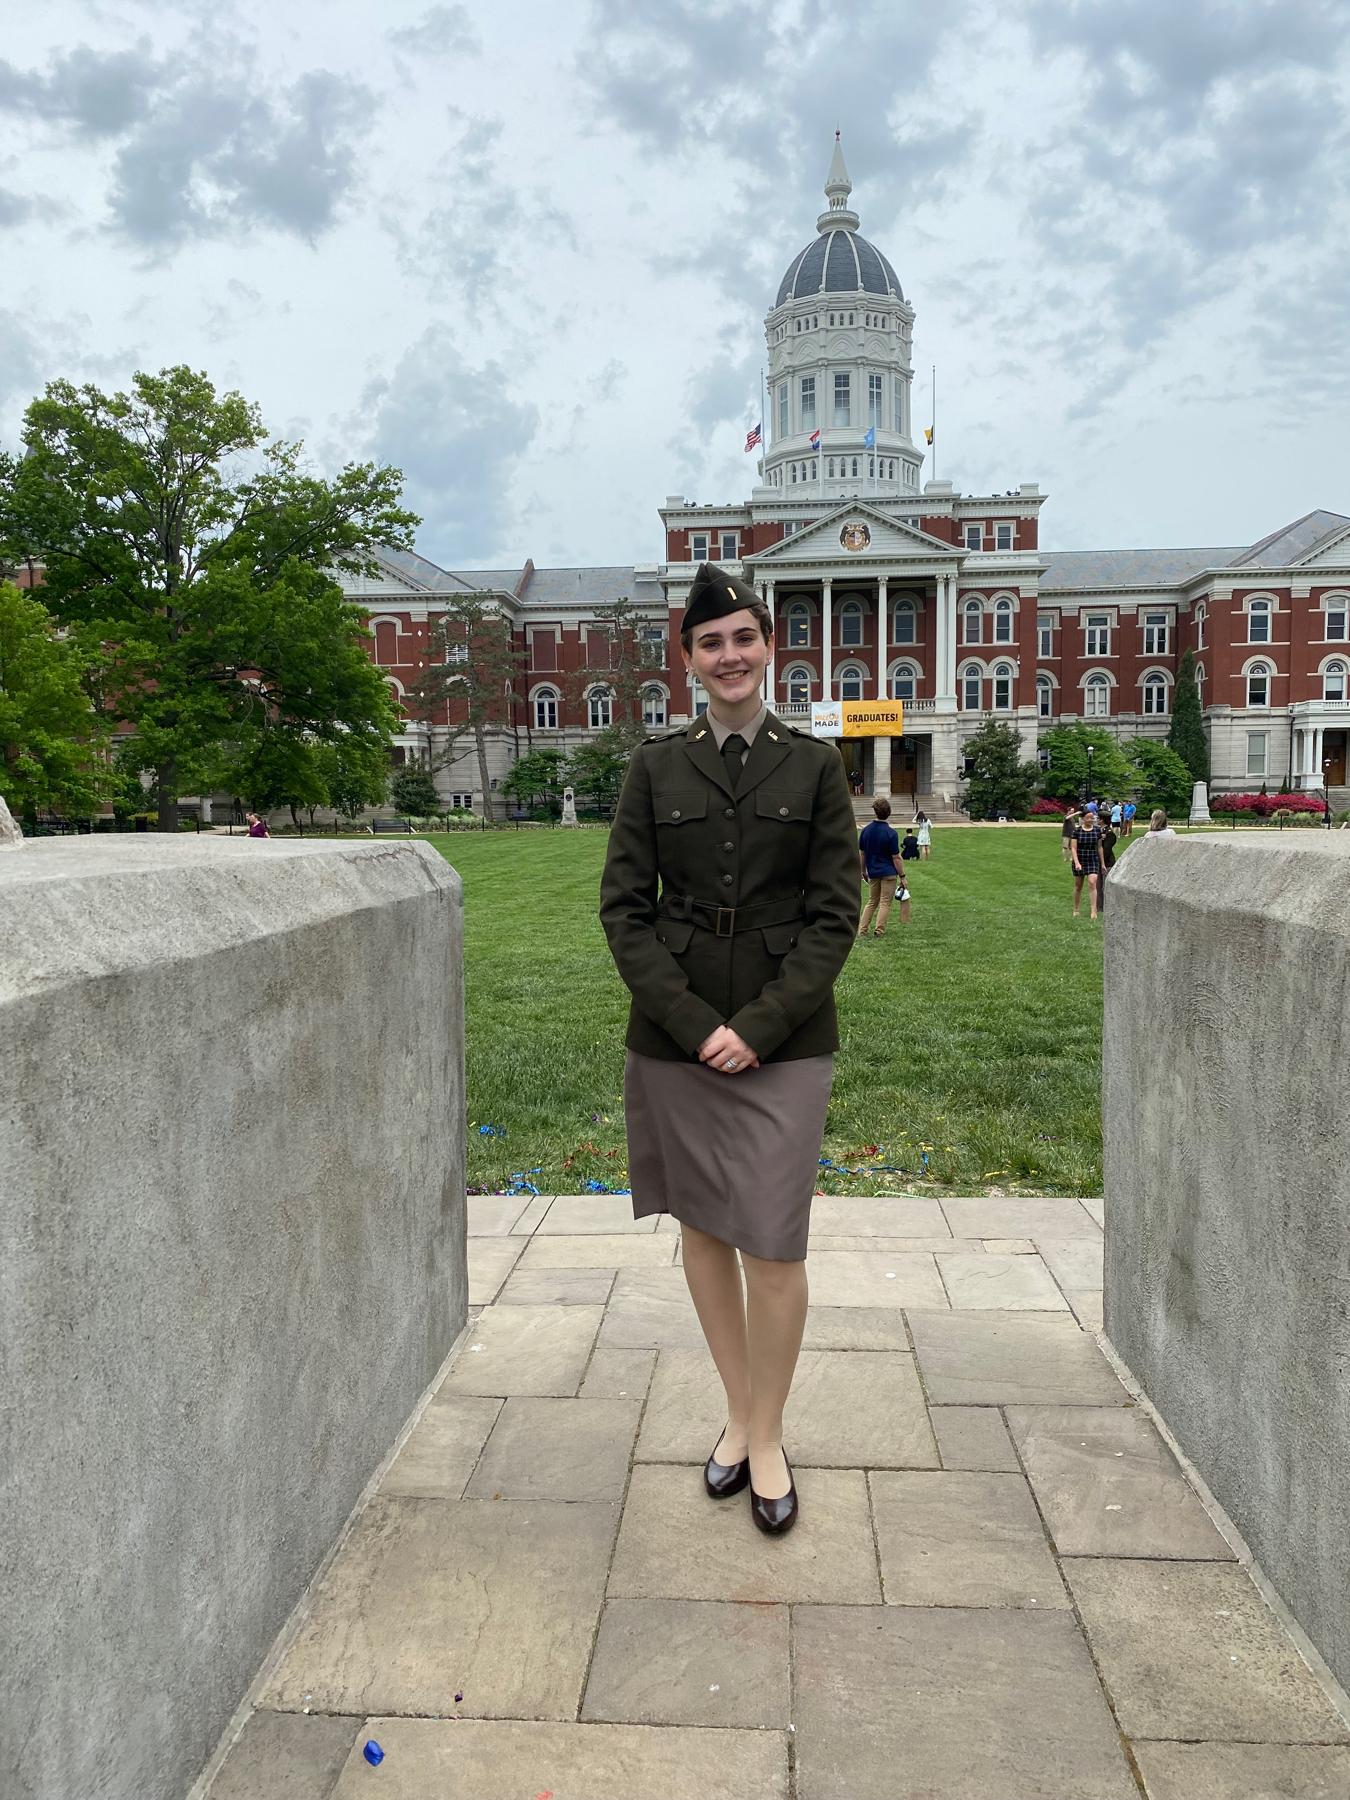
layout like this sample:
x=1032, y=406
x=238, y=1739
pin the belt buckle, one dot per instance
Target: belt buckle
x=729, y=912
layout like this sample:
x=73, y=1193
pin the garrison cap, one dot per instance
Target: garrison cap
x=715, y=593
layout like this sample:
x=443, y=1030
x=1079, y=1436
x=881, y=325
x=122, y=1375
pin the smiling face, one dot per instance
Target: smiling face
x=729, y=656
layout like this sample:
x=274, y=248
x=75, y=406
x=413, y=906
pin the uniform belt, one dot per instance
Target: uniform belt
x=726, y=921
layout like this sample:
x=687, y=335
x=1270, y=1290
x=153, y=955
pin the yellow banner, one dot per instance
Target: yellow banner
x=873, y=718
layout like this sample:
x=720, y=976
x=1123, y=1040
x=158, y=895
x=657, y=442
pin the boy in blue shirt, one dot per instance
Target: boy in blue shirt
x=879, y=860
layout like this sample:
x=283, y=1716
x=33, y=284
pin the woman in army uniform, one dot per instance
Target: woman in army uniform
x=747, y=827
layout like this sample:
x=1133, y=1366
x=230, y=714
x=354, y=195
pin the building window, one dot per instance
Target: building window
x=457, y=653
x=799, y=686
x=974, y=536
x=601, y=709
x=904, y=682
x=899, y=413
x=461, y=802
x=1045, y=632
x=1003, y=618
x=1335, y=621
x=972, y=623
x=1003, y=677
x=653, y=707
x=1155, y=696
x=851, y=683
x=546, y=710
x=874, y=402
x=1200, y=616
x=1155, y=634
x=850, y=623
x=1097, y=697
x=782, y=409
x=1045, y=697
x=1258, y=685
x=1256, y=753
x=1098, y=630
x=1258, y=623
x=386, y=644
x=808, y=402
x=903, y=626
x=842, y=395
x=1333, y=681
x=829, y=468
x=799, y=625
x=1003, y=537
x=731, y=548
x=700, y=699
x=970, y=688
x=698, y=546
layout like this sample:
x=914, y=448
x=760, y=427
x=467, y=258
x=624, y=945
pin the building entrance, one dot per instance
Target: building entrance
x=905, y=766
x=1333, y=758
x=852, y=752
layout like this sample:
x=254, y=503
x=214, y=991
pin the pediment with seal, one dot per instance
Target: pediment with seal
x=856, y=533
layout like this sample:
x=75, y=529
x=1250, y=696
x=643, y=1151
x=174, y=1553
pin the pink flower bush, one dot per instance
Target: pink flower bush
x=1263, y=805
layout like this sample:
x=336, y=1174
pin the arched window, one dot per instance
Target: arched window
x=1333, y=681
x=386, y=643
x=653, y=708
x=396, y=695
x=1003, y=621
x=851, y=682
x=1045, y=697
x=1258, y=684
x=855, y=465
x=792, y=471
x=829, y=467
x=799, y=686
x=1258, y=622
x=971, y=678
x=546, y=709
x=851, y=623
x=1003, y=679
x=1097, y=697
x=601, y=709
x=799, y=626
x=1155, y=695
x=1201, y=614
x=902, y=624
x=972, y=623
x=904, y=681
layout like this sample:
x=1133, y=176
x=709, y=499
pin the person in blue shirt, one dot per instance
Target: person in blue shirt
x=879, y=860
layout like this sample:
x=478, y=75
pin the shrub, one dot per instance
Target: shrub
x=1045, y=808
x=1263, y=805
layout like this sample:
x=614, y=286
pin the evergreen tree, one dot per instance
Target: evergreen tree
x=627, y=670
x=537, y=779
x=472, y=680
x=413, y=792
x=1186, y=735
x=999, y=781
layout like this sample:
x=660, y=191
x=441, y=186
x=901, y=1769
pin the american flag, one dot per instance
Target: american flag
x=755, y=437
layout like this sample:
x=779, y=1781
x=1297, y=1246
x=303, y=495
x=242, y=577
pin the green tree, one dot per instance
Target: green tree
x=355, y=774
x=598, y=767
x=626, y=666
x=1108, y=771
x=537, y=779
x=200, y=554
x=51, y=735
x=413, y=792
x=471, y=682
x=998, y=781
x=1186, y=734
x=1164, y=780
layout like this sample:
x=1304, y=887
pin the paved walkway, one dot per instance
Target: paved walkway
x=1001, y=1585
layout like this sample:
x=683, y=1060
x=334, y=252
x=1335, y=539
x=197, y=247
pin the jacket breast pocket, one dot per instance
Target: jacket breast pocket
x=680, y=806
x=786, y=806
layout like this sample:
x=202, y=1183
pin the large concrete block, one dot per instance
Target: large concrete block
x=1228, y=1184
x=231, y=1257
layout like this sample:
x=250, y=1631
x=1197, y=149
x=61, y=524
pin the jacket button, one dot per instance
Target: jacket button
x=676, y=813
x=728, y=846
x=783, y=812
x=726, y=881
x=728, y=812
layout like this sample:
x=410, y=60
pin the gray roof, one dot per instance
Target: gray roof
x=431, y=575
x=543, y=588
x=1291, y=542
x=838, y=262
x=1129, y=568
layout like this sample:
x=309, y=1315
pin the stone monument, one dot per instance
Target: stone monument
x=569, y=812
x=1199, y=805
x=11, y=838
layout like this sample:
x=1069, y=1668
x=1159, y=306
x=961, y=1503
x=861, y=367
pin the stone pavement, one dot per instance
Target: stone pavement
x=1001, y=1586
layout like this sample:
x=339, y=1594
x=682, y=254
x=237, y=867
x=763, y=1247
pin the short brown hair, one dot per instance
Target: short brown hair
x=757, y=610
x=881, y=806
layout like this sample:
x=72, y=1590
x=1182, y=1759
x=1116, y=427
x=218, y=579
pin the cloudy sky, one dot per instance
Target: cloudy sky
x=524, y=251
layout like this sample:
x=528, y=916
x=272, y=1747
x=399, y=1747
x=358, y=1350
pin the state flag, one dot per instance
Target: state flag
x=815, y=440
x=870, y=438
x=928, y=434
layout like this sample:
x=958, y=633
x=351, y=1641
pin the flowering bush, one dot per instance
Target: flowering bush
x=1045, y=807
x=1263, y=805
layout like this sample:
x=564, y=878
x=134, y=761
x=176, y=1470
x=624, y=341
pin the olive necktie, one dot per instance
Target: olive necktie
x=732, y=751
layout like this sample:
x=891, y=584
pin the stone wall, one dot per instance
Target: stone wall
x=1226, y=1062
x=231, y=1258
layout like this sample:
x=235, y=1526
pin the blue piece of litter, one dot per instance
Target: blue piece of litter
x=372, y=1752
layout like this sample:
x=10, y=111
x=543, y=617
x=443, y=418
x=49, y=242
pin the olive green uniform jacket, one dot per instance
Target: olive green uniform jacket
x=759, y=892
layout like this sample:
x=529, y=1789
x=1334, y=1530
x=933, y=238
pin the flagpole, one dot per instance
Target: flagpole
x=932, y=424
x=764, y=427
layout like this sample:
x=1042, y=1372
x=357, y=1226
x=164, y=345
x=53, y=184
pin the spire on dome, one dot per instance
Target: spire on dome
x=838, y=215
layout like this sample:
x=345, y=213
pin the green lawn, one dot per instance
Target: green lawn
x=972, y=1036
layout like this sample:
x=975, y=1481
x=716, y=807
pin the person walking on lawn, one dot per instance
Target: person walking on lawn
x=730, y=902
x=1086, y=847
x=882, y=870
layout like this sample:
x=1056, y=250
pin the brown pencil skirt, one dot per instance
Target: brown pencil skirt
x=736, y=1156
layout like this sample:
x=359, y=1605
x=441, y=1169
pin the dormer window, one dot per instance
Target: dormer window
x=974, y=536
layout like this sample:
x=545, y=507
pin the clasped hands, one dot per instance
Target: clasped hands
x=726, y=1052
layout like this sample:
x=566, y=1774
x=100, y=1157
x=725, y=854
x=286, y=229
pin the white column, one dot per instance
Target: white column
x=883, y=654
x=769, y=695
x=946, y=671
x=826, y=640
x=1317, y=755
x=1296, y=758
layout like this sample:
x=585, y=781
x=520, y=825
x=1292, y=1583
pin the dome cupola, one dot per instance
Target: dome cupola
x=838, y=260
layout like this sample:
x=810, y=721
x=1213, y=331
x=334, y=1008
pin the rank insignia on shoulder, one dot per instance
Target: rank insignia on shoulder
x=774, y=736
x=701, y=734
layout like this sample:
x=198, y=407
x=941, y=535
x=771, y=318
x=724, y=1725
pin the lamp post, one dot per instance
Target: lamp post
x=1326, y=797
x=1087, y=786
